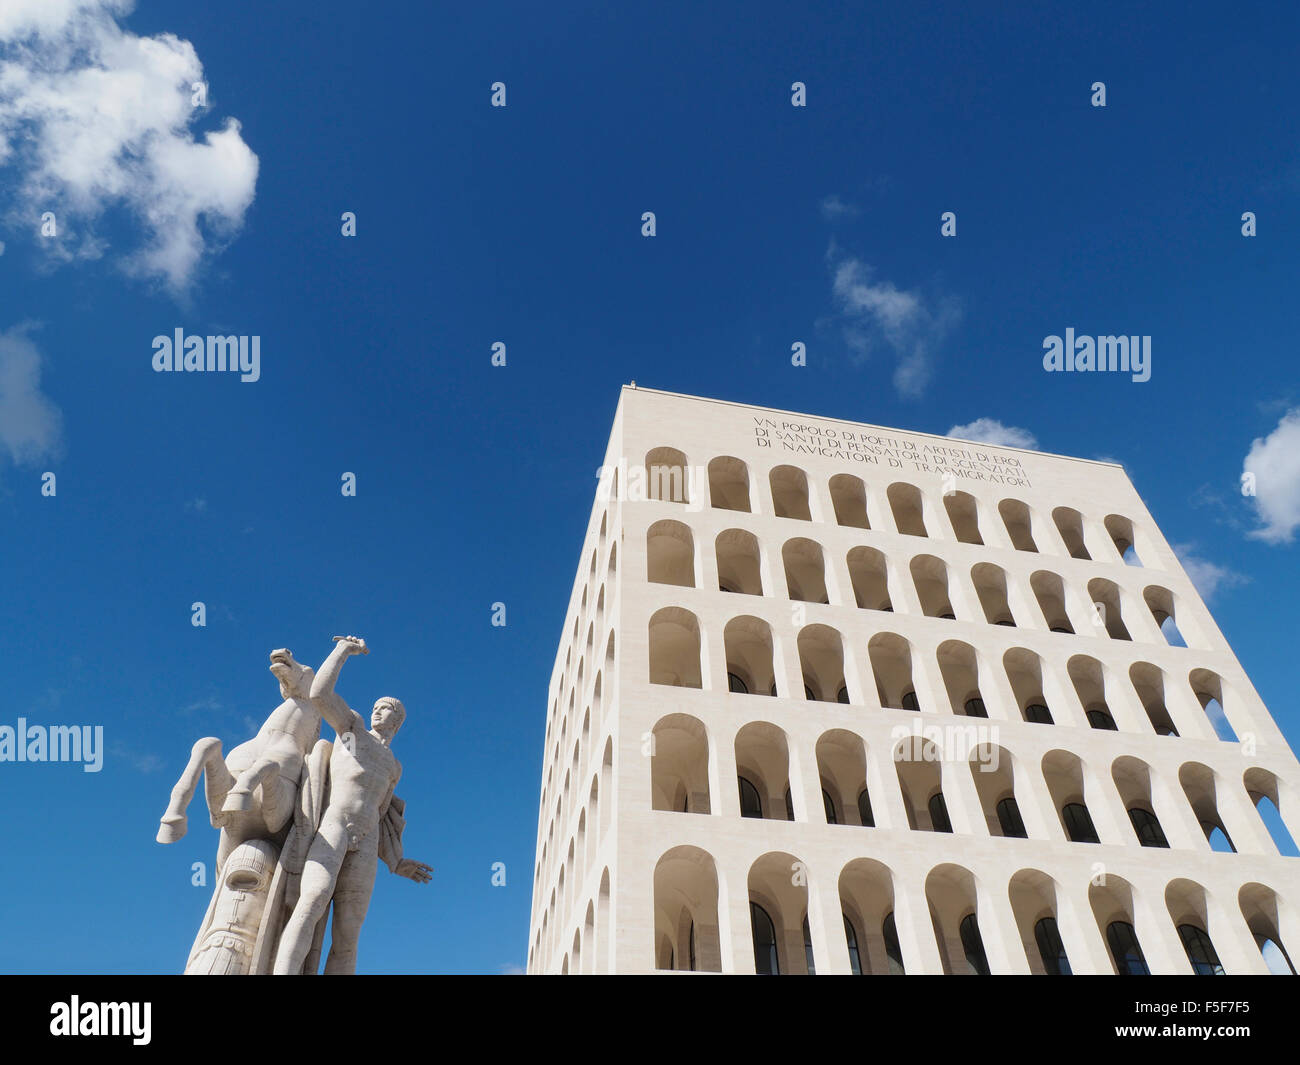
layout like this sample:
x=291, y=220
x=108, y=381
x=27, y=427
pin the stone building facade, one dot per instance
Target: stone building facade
x=839, y=698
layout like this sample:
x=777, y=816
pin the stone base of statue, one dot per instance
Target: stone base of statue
x=257, y=889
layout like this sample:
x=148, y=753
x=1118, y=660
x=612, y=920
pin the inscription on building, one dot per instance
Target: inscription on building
x=893, y=451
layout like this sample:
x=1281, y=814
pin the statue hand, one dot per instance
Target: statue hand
x=355, y=645
x=413, y=870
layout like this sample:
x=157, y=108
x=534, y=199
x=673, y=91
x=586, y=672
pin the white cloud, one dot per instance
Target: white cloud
x=21, y=17
x=94, y=118
x=876, y=314
x=30, y=424
x=1209, y=577
x=834, y=208
x=140, y=761
x=992, y=431
x=1274, y=460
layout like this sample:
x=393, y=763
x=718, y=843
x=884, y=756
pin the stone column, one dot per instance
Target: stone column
x=1085, y=943
x=1001, y=935
x=724, y=797
x=915, y=930
x=826, y=923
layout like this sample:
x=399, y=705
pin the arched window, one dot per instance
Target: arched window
x=930, y=576
x=679, y=767
x=991, y=588
x=849, y=498
x=939, y=813
x=1125, y=950
x=1220, y=841
x=851, y=937
x=905, y=502
x=1108, y=607
x=766, y=962
x=747, y=643
x=1038, y=713
x=670, y=554
x=1019, y=523
x=804, y=562
x=1101, y=719
x=729, y=483
x=1078, y=823
x=1147, y=827
x=667, y=476
x=1050, y=947
x=751, y=804
x=1010, y=820
x=829, y=805
x=1277, y=959
x=869, y=576
x=675, y=648
x=807, y=947
x=1070, y=525
x=790, y=493
x=1200, y=951
x=1121, y=532
x=973, y=945
x=963, y=512
x=842, y=696
x=740, y=569
x=910, y=702
x=893, y=951
x=864, y=809
x=975, y=707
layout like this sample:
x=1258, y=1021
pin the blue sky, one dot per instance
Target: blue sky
x=522, y=224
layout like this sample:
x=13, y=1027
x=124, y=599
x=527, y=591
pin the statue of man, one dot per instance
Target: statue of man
x=344, y=854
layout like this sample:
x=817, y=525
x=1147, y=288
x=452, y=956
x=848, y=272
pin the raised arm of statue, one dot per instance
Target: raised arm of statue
x=332, y=707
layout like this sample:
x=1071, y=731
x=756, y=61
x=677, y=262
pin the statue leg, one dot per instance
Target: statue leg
x=280, y=797
x=315, y=890
x=205, y=761
x=352, y=892
x=266, y=770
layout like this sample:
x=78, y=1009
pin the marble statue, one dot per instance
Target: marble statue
x=304, y=823
x=362, y=823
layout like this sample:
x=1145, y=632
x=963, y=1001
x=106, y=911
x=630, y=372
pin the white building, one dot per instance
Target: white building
x=849, y=698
